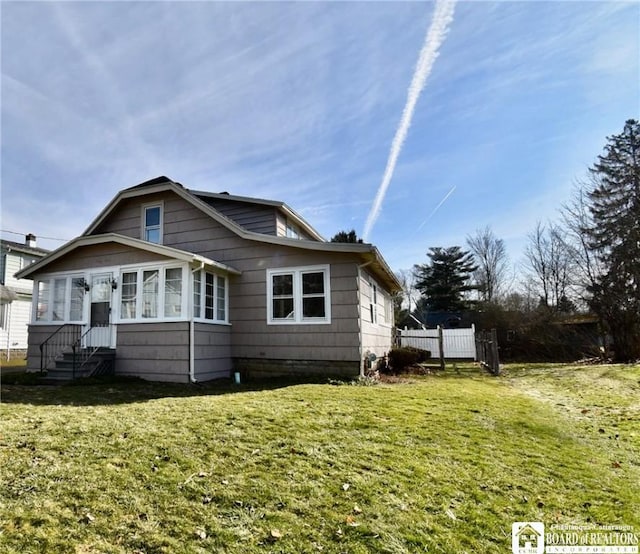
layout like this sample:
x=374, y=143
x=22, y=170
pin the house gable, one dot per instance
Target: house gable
x=191, y=223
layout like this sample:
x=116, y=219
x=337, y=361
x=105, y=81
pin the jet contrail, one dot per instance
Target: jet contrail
x=437, y=207
x=437, y=32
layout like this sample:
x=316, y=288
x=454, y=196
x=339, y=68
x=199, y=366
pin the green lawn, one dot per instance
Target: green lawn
x=443, y=463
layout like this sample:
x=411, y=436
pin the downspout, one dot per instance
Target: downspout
x=192, y=329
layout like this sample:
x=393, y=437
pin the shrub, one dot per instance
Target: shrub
x=423, y=355
x=400, y=359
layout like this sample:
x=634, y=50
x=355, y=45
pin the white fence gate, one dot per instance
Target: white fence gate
x=457, y=343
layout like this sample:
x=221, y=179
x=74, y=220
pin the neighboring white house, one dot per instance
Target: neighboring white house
x=15, y=305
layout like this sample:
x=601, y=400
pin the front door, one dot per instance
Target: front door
x=101, y=333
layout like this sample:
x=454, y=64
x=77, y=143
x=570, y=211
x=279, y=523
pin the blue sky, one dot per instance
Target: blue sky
x=300, y=102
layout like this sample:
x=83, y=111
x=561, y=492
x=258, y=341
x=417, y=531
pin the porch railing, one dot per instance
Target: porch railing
x=56, y=343
x=83, y=354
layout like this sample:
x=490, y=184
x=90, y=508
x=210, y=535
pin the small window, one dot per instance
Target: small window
x=292, y=231
x=298, y=295
x=153, y=224
x=4, y=309
x=373, y=302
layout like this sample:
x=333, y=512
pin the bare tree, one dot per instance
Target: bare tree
x=587, y=265
x=550, y=264
x=490, y=255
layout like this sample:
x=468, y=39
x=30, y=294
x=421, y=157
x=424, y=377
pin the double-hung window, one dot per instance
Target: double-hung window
x=298, y=295
x=210, y=297
x=373, y=302
x=152, y=223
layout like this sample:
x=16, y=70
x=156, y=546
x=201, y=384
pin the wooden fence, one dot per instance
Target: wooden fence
x=487, y=350
x=456, y=343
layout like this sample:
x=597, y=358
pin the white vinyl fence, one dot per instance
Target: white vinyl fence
x=457, y=343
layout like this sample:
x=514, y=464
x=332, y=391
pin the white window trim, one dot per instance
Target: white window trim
x=203, y=289
x=143, y=220
x=116, y=299
x=297, y=295
x=140, y=269
x=51, y=278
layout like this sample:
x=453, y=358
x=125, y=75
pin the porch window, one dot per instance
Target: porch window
x=197, y=294
x=60, y=299
x=59, y=295
x=44, y=288
x=152, y=218
x=129, y=294
x=210, y=296
x=298, y=295
x=76, y=301
x=150, y=293
x=173, y=292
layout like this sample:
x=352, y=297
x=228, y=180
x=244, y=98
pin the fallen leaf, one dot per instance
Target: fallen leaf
x=357, y=509
x=351, y=521
x=451, y=514
x=345, y=486
x=615, y=464
x=276, y=533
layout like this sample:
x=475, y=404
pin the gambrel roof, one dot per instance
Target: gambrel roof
x=367, y=253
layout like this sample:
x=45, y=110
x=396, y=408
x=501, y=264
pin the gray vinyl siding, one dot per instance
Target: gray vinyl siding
x=154, y=351
x=253, y=217
x=212, y=347
x=102, y=255
x=376, y=336
x=253, y=337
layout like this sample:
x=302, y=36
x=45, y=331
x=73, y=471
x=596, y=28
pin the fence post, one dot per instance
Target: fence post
x=441, y=346
x=495, y=361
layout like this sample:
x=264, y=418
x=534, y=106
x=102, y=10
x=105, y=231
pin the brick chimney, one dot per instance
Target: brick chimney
x=30, y=240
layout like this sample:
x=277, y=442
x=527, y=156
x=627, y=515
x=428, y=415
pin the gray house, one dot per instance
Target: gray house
x=183, y=285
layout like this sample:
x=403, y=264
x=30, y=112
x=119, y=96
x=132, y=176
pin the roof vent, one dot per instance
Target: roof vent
x=225, y=192
x=30, y=240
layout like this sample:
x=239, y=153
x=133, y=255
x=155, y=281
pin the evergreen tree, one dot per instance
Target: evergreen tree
x=614, y=235
x=344, y=236
x=446, y=278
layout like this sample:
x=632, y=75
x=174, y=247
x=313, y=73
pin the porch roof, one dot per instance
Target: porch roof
x=91, y=240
